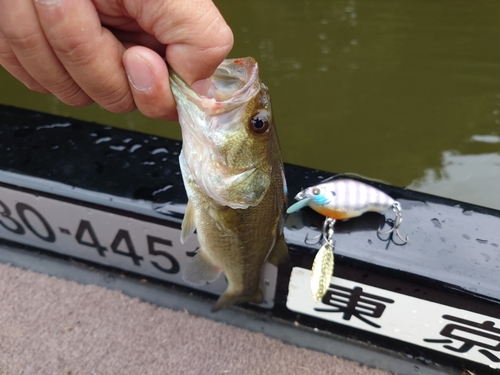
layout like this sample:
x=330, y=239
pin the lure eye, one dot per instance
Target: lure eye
x=259, y=123
x=316, y=191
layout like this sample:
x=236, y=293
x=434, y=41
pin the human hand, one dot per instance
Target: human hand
x=83, y=51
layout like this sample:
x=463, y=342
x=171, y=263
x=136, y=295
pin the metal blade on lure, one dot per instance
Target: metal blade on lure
x=322, y=271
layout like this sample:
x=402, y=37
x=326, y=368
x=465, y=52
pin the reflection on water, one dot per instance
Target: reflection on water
x=386, y=89
x=470, y=173
x=468, y=178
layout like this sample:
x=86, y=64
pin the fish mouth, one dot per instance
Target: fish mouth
x=232, y=78
x=234, y=83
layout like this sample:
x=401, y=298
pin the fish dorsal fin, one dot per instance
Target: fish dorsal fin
x=188, y=223
x=279, y=253
x=200, y=270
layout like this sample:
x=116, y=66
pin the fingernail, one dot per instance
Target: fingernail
x=139, y=72
x=201, y=87
x=48, y=2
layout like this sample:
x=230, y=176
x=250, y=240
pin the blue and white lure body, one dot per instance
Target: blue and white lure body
x=341, y=199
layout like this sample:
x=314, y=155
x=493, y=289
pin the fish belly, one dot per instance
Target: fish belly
x=225, y=236
x=237, y=241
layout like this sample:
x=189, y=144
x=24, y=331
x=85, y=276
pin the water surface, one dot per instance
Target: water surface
x=404, y=92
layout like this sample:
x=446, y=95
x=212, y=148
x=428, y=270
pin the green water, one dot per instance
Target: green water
x=407, y=92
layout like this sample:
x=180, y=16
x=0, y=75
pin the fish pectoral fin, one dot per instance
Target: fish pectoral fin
x=231, y=297
x=200, y=270
x=188, y=223
x=279, y=253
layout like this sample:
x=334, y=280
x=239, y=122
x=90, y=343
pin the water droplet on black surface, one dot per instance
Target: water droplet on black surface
x=161, y=190
x=159, y=151
x=117, y=148
x=102, y=140
x=52, y=126
x=135, y=147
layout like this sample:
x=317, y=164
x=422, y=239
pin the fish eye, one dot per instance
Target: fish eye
x=259, y=123
x=316, y=191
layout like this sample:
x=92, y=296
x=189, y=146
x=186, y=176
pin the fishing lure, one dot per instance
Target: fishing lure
x=341, y=199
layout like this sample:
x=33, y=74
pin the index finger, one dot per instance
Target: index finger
x=89, y=52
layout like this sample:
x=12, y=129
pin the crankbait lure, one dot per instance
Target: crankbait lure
x=342, y=199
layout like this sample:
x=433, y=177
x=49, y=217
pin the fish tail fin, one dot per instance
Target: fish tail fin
x=231, y=297
x=279, y=253
x=200, y=270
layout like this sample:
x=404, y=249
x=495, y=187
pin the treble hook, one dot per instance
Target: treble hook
x=396, y=208
x=326, y=234
x=316, y=239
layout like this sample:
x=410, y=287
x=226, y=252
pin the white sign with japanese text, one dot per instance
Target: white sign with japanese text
x=431, y=325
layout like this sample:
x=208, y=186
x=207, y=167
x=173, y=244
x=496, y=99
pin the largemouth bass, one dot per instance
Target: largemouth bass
x=233, y=174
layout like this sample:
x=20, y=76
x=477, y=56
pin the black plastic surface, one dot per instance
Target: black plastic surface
x=453, y=242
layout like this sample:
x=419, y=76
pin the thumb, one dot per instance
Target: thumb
x=196, y=35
